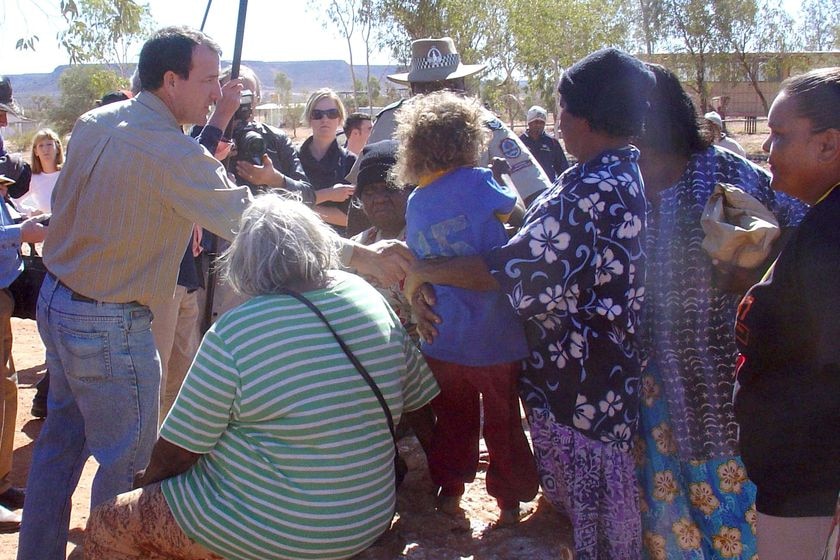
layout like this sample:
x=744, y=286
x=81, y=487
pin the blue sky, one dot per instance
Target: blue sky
x=275, y=30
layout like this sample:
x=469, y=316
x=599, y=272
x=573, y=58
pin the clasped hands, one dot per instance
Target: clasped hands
x=391, y=261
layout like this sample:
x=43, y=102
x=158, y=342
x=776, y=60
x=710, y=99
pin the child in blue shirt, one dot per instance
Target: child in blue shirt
x=458, y=209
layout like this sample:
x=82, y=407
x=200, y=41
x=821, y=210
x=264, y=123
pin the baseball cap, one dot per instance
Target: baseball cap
x=714, y=117
x=537, y=113
x=114, y=96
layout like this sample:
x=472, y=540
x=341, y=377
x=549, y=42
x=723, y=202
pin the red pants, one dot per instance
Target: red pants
x=512, y=474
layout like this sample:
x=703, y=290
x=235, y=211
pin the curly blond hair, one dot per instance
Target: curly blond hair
x=438, y=132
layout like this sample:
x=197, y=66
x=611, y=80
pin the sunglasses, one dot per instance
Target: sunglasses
x=318, y=114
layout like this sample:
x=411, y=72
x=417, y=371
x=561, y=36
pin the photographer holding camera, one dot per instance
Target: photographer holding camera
x=259, y=156
x=262, y=156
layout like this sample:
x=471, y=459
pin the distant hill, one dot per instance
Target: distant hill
x=306, y=77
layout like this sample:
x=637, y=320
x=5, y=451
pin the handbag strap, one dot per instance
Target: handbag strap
x=353, y=359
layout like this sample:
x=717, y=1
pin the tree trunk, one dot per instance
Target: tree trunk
x=353, y=75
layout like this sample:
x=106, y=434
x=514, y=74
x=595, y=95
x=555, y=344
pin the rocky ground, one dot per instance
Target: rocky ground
x=418, y=531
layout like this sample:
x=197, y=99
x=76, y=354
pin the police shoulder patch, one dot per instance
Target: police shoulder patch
x=510, y=148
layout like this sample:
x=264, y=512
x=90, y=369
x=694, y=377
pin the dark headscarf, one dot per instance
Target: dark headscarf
x=609, y=88
x=375, y=163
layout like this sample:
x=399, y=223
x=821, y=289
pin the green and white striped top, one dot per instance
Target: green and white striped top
x=297, y=458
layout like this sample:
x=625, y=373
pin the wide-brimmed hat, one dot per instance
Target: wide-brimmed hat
x=435, y=60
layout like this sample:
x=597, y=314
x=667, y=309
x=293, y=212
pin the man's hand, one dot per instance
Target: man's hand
x=338, y=193
x=227, y=104
x=387, y=261
x=223, y=149
x=264, y=174
x=421, y=308
x=197, y=234
x=500, y=166
x=32, y=231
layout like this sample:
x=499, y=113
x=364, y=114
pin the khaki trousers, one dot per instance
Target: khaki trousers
x=791, y=538
x=8, y=390
x=175, y=330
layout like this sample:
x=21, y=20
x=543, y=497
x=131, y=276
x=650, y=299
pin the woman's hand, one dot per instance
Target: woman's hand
x=264, y=174
x=167, y=460
x=337, y=193
x=421, y=307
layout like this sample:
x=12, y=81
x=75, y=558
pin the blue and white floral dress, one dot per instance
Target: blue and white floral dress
x=575, y=274
x=697, y=503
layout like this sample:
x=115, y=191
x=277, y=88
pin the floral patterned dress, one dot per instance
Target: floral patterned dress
x=697, y=502
x=574, y=274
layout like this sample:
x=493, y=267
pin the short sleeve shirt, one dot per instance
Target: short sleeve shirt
x=296, y=455
x=456, y=215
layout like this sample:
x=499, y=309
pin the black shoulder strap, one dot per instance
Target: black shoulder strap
x=353, y=359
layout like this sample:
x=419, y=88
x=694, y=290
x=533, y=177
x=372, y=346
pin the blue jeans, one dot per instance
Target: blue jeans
x=103, y=401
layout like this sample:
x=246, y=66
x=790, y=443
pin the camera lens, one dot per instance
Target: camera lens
x=251, y=147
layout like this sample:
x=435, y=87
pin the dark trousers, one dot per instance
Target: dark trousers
x=511, y=474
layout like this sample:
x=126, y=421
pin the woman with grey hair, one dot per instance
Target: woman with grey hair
x=277, y=446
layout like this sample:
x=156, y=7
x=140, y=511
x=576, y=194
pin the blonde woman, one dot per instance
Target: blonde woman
x=47, y=158
x=325, y=163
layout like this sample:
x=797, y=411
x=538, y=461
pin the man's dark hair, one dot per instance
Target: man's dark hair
x=354, y=121
x=168, y=49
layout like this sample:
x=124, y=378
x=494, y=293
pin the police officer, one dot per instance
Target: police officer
x=547, y=150
x=436, y=65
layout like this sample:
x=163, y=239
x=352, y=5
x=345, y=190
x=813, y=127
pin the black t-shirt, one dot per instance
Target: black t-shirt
x=330, y=170
x=787, y=399
x=549, y=154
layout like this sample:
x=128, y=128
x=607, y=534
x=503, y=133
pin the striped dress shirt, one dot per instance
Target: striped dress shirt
x=128, y=195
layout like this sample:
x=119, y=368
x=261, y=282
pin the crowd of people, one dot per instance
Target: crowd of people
x=437, y=275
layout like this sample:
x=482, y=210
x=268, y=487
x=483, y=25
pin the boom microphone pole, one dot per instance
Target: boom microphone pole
x=214, y=250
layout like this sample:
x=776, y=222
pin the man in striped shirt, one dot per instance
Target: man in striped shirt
x=131, y=189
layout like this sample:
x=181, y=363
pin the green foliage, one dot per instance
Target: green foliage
x=81, y=87
x=650, y=18
x=26, y=43
x=503, y=98
x=550, y=36
x=747, y=27
x=471, y=24
x=820, y=25
x=283, y=91
x=101, y=31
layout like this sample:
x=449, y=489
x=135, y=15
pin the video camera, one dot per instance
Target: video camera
x=248, y=136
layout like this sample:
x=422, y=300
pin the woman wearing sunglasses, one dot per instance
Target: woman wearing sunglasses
x=325, y=162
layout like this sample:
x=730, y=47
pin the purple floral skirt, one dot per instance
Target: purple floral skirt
x=594, y=484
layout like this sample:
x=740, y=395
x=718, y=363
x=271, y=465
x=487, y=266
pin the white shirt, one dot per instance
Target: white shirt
x=732, y=146
x=40, y=190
